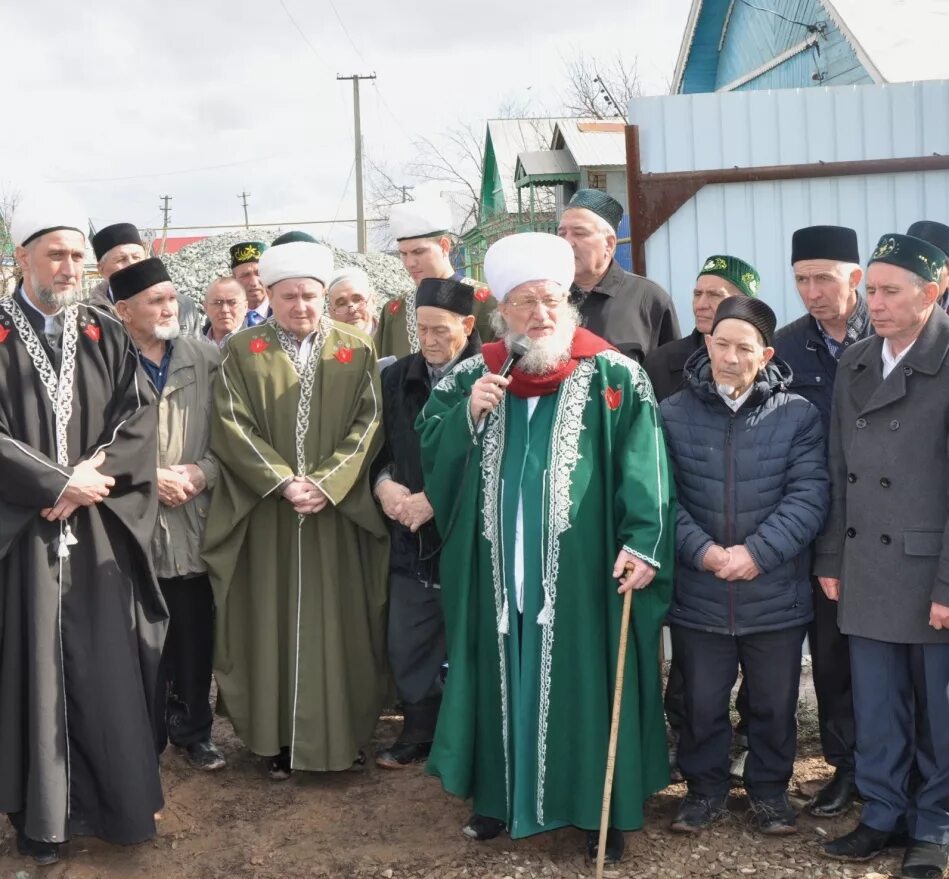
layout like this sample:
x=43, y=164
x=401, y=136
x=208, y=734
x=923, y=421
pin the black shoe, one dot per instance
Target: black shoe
x=402, y=754
x=924, y=860
x=205, y=755
x=774, y=815
x=697, y=812
x=43, y=853
x=863, y=843
x=834, y=797
x=482, y=828
x=615, y=845
x=279, y=768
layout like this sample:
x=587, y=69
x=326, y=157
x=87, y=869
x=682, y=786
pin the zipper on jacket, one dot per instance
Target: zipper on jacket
x=729, y=512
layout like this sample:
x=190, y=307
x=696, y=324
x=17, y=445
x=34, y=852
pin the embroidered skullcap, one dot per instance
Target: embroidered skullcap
x=298, y=259
x=838, y=243
x=423, y=218
x=740, y=273
x=449, y=294
x=246, y=251
x=45, y=210
x=528, y=256
x=112, y=236
x=352, y=275
x=291, y=236
x=753, y=311
x=933, y=232
x=604, y=206
x=918, y=256
x=138, y=276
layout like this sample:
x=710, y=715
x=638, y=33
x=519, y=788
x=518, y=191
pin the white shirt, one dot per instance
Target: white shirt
x=261, y=309
x=519, y=530
x=735, y=404
x=889, y=361
x=306, y=346
x=51, y=324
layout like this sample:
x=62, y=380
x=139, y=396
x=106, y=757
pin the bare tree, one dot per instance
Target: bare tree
x=600, y=90
x=8, y=269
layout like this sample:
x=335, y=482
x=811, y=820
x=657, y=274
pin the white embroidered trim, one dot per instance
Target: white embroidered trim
x=643, y=557
x=411, y=322
x=564, y=454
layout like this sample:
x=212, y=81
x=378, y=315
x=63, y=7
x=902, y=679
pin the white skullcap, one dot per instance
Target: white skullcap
x=352, y=275
x=528, y=256
x=298, y=259
x=46, y=210
x=424, y=218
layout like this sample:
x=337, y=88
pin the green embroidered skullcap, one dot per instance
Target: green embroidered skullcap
x=743, y=275
x=293, y=235
x=917, y=256
x=603, y=205
x=246, y=251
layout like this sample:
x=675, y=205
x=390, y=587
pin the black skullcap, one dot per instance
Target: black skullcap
x=838, y=243
x=604, y=206
x=293, y=235
x=138, y=276
x=112, y=236
x=913, y=254
x=933, y=232
x=754, y=311
x=246, y=251
x=448, y=294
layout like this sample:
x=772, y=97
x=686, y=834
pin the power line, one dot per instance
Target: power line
x=346, y=31
x=176, y=173
x=306, y=39
x=811, y=27
x=342, y=198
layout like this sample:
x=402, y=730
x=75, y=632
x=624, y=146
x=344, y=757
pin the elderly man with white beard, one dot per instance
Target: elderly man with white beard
x=182, y=371
x=548, y=487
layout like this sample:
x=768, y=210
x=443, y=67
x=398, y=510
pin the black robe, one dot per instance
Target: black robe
x=81, y=636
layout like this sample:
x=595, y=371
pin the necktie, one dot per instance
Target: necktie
x=254, y=318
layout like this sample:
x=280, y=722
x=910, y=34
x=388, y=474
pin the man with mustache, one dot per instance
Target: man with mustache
x=551, y=492
x=82, y=620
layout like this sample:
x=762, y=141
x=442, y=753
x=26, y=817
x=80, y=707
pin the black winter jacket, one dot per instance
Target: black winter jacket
x=757, y=477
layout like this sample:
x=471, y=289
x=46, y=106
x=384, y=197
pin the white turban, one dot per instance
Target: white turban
x=46, y=210
x=298, y=259
x=528, y=256
x=352, y=275
x=424, y=218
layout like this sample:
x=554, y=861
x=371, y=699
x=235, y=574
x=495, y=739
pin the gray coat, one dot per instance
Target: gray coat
x=887, y=536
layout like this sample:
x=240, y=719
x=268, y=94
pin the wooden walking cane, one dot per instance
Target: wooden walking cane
x=614, y=731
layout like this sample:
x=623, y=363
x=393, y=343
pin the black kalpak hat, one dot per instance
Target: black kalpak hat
x=838, y=243
x=139, y=276
x=448, y=294
x=913, y=254
x=935, y=233
x=112, y=236
x=754, y=311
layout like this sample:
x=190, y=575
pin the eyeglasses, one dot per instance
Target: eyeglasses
x=526, y=306
x=224, y=303
x=344, y=307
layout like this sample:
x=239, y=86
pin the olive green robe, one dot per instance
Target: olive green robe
x=397, y=333
x=300, y=655
x=525, y=718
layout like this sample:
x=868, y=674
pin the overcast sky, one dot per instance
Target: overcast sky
x=126, y=101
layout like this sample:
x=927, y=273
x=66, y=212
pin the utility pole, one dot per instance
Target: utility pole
x=245, y=196
x=165, y=208
x=405, y=189
x=360, y=215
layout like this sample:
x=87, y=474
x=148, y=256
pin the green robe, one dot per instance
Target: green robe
x=524, y=724
x=397, y=333
x=300, y=655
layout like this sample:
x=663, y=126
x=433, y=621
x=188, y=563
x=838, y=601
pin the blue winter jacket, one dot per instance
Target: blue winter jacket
x=757, y=477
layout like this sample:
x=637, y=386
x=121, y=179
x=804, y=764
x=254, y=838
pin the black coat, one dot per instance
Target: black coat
x=664, y=365
x=405, y=390
x=756, y=477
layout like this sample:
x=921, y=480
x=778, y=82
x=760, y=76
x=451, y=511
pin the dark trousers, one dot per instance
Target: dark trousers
x=416, y=635
x=830, y=653
x=183, y=714
x=772, y=673
x=901, y=705
x=674, y=702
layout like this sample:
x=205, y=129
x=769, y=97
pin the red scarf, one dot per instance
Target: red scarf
x=526, y=384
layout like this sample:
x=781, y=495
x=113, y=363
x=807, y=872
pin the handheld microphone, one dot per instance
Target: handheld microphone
x=518, y=347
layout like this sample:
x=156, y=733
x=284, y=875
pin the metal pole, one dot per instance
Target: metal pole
x=244, y=196
x=360, y=210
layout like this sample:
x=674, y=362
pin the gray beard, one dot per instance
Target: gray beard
x=166, y=334
x=546, y=354
x=48, y=298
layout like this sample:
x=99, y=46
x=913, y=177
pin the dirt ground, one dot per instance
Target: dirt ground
x=400, y=825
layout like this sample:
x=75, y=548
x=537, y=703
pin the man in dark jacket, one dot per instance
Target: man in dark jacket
x=416, y=634
x=632, y=313
x=827, y=274
x=884, y=557
x=752, y=489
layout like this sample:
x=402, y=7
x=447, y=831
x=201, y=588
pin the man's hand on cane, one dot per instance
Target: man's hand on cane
x=632, y=572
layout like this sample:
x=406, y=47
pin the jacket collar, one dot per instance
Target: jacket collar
x=609, y=284
x=417, y=369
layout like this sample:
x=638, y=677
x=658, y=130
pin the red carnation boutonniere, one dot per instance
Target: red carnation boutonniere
x=258, y=345
x=482, y=294
x=4, y=332
x=613, y=397
x=344, y=355
x=93, y=332
x=394, y=305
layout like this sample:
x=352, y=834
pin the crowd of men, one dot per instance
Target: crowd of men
x=328, y=501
